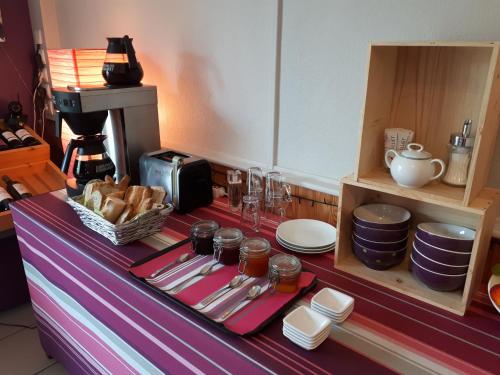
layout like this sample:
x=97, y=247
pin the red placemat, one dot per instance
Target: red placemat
x=248, y=320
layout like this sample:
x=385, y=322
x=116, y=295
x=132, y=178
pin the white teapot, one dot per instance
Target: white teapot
x=413, y=167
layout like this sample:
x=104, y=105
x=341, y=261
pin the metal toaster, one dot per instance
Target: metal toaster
x=187, y=179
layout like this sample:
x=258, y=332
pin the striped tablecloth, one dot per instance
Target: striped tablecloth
x=95, y=318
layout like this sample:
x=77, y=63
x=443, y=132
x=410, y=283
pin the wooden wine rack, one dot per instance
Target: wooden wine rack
x=31, y=166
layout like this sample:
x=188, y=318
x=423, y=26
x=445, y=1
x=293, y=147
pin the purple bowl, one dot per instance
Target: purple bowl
x=380, y=246
x=447, y=236
x=437, y=281
x=382, y=216
x=438, y=267
x=380, y=235
x=378, y=260
x=452, y=258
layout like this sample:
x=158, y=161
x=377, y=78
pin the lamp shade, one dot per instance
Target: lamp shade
x=76, y=67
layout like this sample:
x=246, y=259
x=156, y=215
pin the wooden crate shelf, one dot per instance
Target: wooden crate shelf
x=32, y=167
x=480, y=215
x=431, y=88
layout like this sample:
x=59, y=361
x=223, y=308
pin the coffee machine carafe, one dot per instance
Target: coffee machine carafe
x=92, y=160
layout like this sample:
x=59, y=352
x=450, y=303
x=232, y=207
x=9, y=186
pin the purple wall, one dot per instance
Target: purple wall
x=16, y=56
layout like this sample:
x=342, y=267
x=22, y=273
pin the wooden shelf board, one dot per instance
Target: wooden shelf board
x=401, y=280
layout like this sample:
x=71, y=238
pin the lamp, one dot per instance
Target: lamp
x=76, y=67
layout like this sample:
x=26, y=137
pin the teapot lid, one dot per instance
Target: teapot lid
x=415, y=151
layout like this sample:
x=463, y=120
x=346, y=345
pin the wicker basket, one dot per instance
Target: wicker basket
x=141, y=226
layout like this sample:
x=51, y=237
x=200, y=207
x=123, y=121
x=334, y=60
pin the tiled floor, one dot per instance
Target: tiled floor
x=20, y=349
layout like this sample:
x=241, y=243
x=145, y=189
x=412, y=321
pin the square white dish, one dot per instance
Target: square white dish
x=333, y=300
x=308, y=322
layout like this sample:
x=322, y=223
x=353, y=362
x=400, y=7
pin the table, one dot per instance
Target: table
x=94, y=318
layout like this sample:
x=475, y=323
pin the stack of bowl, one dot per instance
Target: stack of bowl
x=440, y=255
x=380, y=233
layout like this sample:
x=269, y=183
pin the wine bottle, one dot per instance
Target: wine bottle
x=3, y=146
x=5, y=199
x=9, y=137
x=16, y=189
x=24, y=135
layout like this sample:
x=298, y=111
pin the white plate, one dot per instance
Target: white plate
x=304, y=251
x=306, y=321
x=333, y=301
x=307, y=233
x=304, y=247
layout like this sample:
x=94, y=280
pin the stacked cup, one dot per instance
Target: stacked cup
x=380, y=234
x=334, y=304
x=440, y=255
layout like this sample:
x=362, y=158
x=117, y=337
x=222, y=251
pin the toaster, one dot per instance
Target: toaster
x=187, y=179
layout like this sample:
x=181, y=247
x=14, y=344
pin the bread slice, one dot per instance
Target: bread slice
x=113, y=208
x=126, y=215
x=117, y=194
x=90, y=187
x=123, y=184
x=136, y=194
x=97, y=200
x=159, y=194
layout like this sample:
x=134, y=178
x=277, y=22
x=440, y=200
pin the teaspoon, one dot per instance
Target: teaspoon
x=203, y=272
x=252, y=294
x=234, y=283
x=184, y=257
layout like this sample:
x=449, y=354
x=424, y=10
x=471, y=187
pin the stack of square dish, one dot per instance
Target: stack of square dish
x=334, y=304
x=380, y=234
x=306, y=328
x=440, y=255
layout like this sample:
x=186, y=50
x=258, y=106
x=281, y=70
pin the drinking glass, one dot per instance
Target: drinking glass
x=250, y=214
x=234, y=185
x=278, y=196
x=254, y=182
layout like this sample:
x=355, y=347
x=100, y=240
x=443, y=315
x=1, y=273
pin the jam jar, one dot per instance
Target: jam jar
x=284, y=272
x=227, y=243
x=202, y=236
x=254, y=256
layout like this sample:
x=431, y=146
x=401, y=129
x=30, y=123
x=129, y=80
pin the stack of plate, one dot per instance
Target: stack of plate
x=334, y=304
x=307, y=236
x=306, y=328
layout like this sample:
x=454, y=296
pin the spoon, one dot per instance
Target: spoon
x=184, y=257
x=252, y=294
x=207, y=268
x=234, y=283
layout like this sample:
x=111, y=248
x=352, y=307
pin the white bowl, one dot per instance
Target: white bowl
x=303, y=344
x=333, y=301
x=494, y=280
x=298, y=337
x=306, y=321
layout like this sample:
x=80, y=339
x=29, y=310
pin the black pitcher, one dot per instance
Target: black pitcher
x=121, y=67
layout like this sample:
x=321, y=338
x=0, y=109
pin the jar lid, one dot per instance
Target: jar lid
x=228, y=236
x=255, y=245
x=204, y=227
x=285, y=264
x=415, y=151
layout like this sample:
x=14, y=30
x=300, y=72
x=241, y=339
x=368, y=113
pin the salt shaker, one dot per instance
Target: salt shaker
x=460, y=150
x=234, y=189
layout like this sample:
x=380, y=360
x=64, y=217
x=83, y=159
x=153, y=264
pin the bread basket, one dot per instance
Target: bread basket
x=141, y=226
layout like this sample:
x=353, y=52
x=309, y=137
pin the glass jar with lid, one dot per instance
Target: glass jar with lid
x=202, y=236
x=284, y=273
x=227, y=243
x=254, y=256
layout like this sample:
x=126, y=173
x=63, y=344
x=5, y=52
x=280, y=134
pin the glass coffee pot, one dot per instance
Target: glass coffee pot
x=121, y=67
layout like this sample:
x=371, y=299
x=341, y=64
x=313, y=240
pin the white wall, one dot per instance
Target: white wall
x=214, y=62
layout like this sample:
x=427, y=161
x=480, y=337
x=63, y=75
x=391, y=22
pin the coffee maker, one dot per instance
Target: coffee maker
x=121, y=122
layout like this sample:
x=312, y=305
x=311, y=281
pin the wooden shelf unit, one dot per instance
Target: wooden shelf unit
x=32, y=167
x=431, y=88
x=480, y=215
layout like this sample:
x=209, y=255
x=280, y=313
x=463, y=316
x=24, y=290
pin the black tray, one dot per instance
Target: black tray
x=220, y=326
